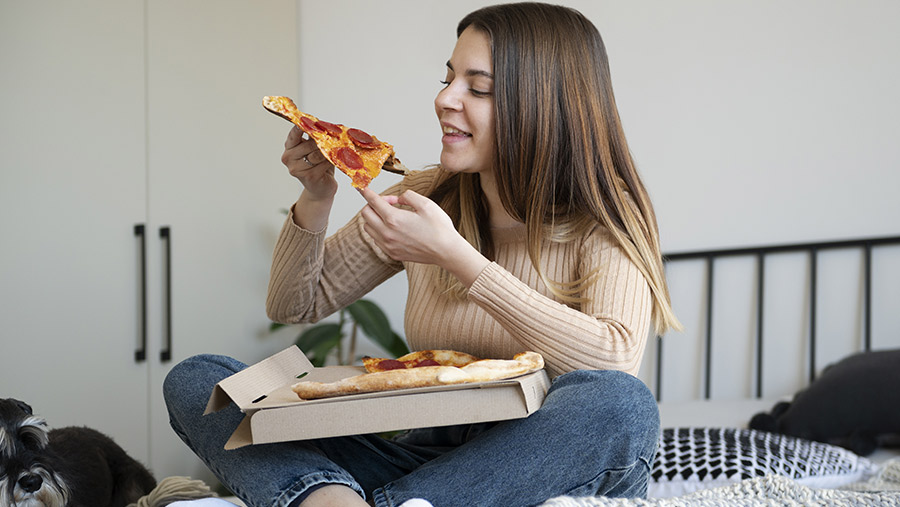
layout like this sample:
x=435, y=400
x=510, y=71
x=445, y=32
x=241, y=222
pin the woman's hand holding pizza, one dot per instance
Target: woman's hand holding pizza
x=423, y=233
x=306, y=163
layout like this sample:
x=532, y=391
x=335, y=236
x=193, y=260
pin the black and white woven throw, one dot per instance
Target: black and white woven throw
x=732, y=454
x=882, y=490
x=768, y=491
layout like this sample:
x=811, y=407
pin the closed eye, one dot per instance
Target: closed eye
x=474, y=91
x=473, y=75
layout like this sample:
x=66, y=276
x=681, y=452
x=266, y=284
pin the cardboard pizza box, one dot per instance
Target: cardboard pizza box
x=275, y=414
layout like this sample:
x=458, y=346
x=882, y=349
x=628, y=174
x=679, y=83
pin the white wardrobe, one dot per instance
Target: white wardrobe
x=140, y=197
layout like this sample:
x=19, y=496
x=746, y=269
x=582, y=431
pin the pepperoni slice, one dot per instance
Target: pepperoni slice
x=349, y=157
x=391, y=364
x=331, y=128
x=309, y=124
x=427, y=362
x=362, y=139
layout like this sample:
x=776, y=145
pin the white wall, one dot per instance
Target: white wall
x=753, y=122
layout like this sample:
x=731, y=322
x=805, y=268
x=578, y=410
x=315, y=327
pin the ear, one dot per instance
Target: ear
x=24, y=407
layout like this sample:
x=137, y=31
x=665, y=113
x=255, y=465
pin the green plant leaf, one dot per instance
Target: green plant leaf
x=275, y=326
x=320, y=353
x=317, y=341
x=398, y=346
x=373, y=322
x=314, y=336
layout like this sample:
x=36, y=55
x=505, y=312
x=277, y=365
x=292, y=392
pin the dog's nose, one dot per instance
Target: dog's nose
x=31, y=482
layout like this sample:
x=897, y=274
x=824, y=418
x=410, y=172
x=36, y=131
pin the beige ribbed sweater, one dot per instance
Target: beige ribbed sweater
x=507, y=309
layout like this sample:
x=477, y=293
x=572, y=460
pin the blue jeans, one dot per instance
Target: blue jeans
x=595, y=434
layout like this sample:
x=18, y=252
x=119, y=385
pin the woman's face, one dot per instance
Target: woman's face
x=465, y=106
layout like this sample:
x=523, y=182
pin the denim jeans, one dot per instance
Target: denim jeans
x=596, y=434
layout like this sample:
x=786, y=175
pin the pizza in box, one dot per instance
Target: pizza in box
x=425, y=368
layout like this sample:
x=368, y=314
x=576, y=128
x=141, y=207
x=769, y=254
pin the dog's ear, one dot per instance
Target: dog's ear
x=23, y=406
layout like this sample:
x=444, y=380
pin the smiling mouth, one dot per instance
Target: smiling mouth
x=450, y=131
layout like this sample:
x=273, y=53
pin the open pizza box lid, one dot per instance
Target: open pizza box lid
x=275, y=414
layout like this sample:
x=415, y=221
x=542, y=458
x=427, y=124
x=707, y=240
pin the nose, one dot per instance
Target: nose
x=30, y=482
x=447, y=99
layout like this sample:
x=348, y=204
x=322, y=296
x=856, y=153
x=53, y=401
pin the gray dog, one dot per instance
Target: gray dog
x=74, y=467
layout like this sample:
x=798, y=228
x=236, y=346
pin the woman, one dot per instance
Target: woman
x=534, y=233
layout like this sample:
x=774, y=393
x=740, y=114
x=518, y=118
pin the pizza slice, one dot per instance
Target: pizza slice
x=356, y=153
x=418, y=359
x=483, y=370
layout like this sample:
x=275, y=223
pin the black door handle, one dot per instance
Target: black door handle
x=165, y=354
x=141, y=353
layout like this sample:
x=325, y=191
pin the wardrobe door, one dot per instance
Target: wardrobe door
x=73, y=166
x=217, y=185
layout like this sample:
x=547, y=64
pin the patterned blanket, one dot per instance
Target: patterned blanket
x=883, y=490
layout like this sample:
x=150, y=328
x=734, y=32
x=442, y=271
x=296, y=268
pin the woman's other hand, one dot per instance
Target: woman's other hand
x=422, y=233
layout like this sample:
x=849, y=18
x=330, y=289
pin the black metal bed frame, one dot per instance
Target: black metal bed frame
x=760, y=253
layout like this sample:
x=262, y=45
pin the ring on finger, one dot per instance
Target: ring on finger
x=307, y=161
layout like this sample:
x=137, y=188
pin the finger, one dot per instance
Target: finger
x=414, y=200
x=378, y=239
x=370, y=195
x=370, y=217
x=309, y=153
x=314, y=157
x=294, y=137
x=375, y=201
x=293, y=154
x=374, y=226
x=382, y=205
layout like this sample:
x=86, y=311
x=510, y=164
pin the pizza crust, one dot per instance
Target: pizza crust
x=484, y=370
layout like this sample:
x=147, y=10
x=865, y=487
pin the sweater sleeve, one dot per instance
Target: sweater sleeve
x=608, y=331
x=312, y=277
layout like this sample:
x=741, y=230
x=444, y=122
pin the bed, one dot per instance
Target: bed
x=761, y=325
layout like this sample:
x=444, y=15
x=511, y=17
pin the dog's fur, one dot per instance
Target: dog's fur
x=66, y=467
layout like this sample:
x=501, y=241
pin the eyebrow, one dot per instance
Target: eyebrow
x=473, y=72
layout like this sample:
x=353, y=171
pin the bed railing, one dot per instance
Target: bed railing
x=760, y=254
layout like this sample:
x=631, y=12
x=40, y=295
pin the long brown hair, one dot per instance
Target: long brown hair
x=561, y=162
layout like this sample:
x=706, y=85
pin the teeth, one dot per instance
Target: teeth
x=451, y=130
